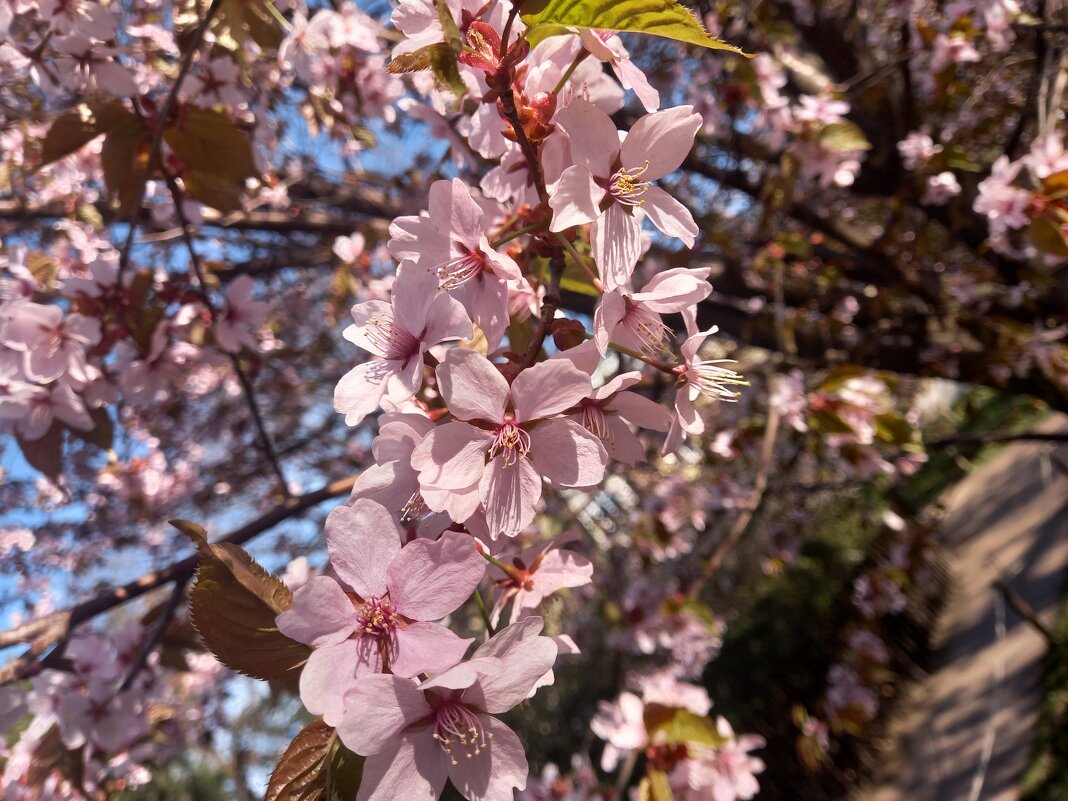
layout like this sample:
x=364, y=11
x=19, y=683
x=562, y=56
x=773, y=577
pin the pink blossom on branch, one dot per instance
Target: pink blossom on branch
x=505, y=439
x=417, y=735
x=375, y=615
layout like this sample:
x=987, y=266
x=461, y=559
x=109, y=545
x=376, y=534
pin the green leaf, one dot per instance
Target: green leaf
x=315, y=767
x=216, y=154
x=681, y=727
x=233, y=605
x=844, y=136
x=257, y=20
x=665, y=18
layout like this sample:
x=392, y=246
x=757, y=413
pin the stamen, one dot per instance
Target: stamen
x=593, y=420
x=377, y=618
x=648, y=328
x=457, y=727
x=712, y=380
x=390, y=339
x=414, y=509
x=626, y=187
x=460, y=269
x=510, y=441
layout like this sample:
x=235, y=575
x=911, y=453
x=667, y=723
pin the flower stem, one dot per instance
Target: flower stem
x=570, y=71
x=529, y=229
x=483, y=612
x=581, y=262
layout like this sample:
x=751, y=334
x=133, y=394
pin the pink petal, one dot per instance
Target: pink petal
x=548, y=388
x=509, y=496
x=585, y=356
x=452, y=209
x=429, y=580
x=369, y=320
x=664, y=139
x=674, y=290
x=413, y=769
x=446, y=319
x=593, y=135
x=363, y=540
x=485, y=298
x=360, y=390
x=426, y=648
x=377, y=709
x=616, y=241
x=621, y=444
x=463, y=675
x=321, y=614
x=413, y=293
x=608, y=314
x=416, y=239
x=330, y=672
x=631, y=77
x=640, y=410
x=526, y=657
x=452, y=456
x=495, y=773
x=575, y=199
x=459, y=505
x=472, y=387
x=670, y=216
x=567, y=454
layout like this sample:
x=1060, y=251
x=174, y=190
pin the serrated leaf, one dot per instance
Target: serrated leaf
x=46, y=453
x=843, y=136
x=233, y=605
x=42, y=267
x=665, y=18
x=315, y=766
x=216, y=154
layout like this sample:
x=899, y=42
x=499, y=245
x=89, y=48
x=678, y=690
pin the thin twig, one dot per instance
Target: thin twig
x=242, y=376
x=149, y=645
x=741, y=524
x=992, y=439
x=549, y=305
x=157, y=136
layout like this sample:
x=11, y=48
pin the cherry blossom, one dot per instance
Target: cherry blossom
x=398, y=334
x=505, y=439
x=240, y=316
x=612, y=186
x=374, y=615
x=417, y=735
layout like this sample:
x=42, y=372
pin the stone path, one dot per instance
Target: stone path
x=965, y=730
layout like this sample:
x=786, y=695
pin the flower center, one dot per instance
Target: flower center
x=626, y=185
x=510, y=441
x=593, y=419
x=457, y=728
x=414, y=509
x=392, y=340
x=711, y=379
x=648, y=328
x=376, y=618
x=460, y=269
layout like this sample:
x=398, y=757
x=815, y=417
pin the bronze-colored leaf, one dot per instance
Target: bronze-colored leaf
x=233, y=605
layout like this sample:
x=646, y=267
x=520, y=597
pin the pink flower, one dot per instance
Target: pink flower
x=349, y=248
x=1004, y=205
x=392, y=481
x=621, y=724
x=940, y=188
x=101, y=716
x=917, y=149
x=537, y=574
x=374, y=616
x=699, y=377
x=608, y=47
x=621, y=176
x=240, y=316
x=451, y=242
x=58, y=402
x=217, y=81
x=415, y=736
x=506, y=443
x=633, y=319
x=725, y=773
x=54, y=346
x=82, y=64
x=398, y=333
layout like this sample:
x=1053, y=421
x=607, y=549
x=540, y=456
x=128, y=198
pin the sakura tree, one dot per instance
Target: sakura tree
x=372, y=285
